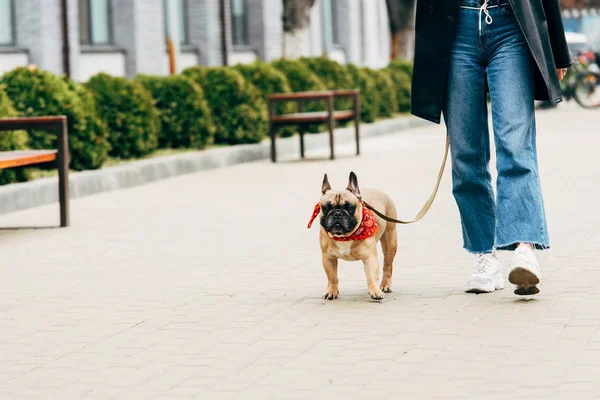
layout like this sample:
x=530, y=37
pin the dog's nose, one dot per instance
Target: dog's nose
x=338, y=213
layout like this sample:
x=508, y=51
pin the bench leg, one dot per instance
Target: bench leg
x=331, y=123
x=273, y=148
x=301, y=131
x=357, y=122
x=63, y=173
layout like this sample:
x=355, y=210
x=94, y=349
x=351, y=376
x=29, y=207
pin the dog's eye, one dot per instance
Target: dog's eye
x=326, y=208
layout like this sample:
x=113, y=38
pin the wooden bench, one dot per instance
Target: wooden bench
x=60, y=156
x=303, y=118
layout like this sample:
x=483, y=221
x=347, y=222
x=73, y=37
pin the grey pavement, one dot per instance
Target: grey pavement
x=208, y=286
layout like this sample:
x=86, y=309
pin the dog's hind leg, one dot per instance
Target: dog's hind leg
x=389, y=245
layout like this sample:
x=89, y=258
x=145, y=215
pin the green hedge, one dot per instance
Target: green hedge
x=225, y=105
x=384, y=85
x=239, y=112
x=334, y=76
x=369, y=96
x=127, y=110
x=402, y=65
x=186, y=119
x=300, y=77
x=11, y=140
x=268, y=80
x=40, y=93
x=402, y=83
x=401, y=72
x=95, y=126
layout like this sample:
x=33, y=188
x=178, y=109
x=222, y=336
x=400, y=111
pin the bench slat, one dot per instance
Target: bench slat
x=309, y=117
x=7, y=124
x=346, y=93
x=19, y=158
x=301, y=95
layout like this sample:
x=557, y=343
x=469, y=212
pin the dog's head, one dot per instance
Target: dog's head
x=341, y=211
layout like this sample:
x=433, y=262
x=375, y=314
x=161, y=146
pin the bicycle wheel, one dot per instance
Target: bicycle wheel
x=587, y=90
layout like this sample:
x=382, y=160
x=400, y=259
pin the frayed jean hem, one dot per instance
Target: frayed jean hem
x=509, y=247
x=512, y=246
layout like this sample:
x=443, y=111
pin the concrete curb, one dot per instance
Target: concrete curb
x=44, y=191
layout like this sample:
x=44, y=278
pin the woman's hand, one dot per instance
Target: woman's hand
x=561, y=73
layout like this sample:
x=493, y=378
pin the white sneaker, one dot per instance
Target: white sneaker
x=525, y=272
x=487, y=275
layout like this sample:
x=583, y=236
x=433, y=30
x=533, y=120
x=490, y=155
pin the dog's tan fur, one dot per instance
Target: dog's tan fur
x=363, y=250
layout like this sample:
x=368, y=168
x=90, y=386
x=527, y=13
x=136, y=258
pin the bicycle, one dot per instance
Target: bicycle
x=582, y=83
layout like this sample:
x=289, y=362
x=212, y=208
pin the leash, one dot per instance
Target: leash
x=428, y=203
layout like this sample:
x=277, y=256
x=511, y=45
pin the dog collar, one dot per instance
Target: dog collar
x=367, y=228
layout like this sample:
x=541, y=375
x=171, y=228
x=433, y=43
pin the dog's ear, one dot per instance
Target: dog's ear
x=353, y=185
x=325, y=186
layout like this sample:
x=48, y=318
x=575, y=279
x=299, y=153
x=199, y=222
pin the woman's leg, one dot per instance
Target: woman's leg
x=511, y=75
x=521, y=215
x=466, y=117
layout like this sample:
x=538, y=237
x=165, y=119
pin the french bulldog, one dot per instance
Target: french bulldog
x=350, y=231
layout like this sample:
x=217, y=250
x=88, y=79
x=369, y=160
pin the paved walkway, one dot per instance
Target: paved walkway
x=208, y=286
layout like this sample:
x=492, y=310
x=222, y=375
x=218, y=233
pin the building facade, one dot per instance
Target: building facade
x=128, y=37
x=586, y=21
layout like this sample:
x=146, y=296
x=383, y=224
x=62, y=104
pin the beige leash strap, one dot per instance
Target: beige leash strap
x=429, y=202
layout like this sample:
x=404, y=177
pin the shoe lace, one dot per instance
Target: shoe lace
x=483, y=264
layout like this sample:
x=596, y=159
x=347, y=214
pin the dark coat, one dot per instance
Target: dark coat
x=542, y=26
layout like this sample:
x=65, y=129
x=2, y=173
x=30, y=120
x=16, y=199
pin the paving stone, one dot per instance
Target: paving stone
x=208, y=285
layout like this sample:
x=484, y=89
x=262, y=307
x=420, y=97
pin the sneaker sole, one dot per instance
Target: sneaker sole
x=480, y=288
x=525, y=280
x=474, y=286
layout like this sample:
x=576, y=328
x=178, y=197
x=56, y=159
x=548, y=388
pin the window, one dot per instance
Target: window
x=181, y=8
x=239, y=22
x=182, y=18
x=335, y=23
x=94, y=22
x=6, y=23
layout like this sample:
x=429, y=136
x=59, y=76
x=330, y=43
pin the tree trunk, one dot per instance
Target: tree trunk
x=296, y=19
x=401, y=15
x=406, y=44
x=395, y=51
x=297, y=43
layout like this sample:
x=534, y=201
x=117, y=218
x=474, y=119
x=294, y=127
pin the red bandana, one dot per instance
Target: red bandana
x=368, y=226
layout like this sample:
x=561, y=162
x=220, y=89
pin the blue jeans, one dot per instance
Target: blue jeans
x=499, y=52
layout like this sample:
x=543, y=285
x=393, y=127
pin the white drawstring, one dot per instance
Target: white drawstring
x=483, y=10
x=488, y=17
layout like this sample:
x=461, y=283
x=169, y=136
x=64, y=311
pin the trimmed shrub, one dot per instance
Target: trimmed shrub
x=186, y=120
x=369, y=95
x=239, y=112
x=334, y=76
x=385, y=88
x=402, y=65
x=402, y=85
x=268, y=80
x=127, y=110
x=40, y=93
x=95, y=126
x=299, y=76
x=11, y=140
x=302, y=79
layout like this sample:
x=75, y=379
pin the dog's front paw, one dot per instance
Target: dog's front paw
x=376, y=294
x=332, y=293
x=386, y=286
